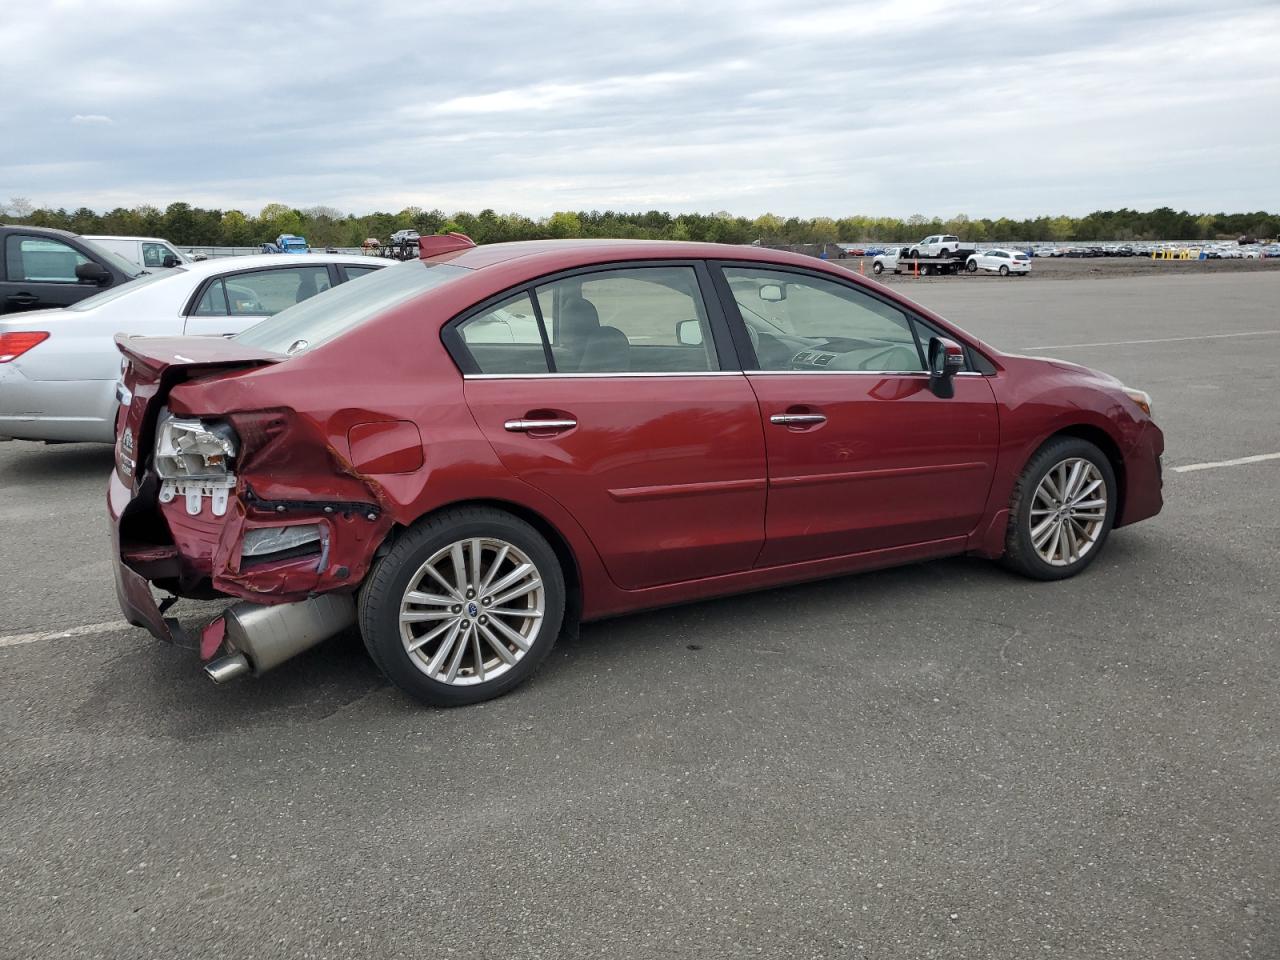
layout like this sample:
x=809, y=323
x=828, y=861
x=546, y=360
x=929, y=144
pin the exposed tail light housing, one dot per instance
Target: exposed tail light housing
x=14, y=344
x=194, y=459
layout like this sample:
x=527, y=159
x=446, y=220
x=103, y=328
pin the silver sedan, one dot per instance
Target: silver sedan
x=59, y=368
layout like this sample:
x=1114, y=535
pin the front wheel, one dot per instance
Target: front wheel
x=464, y=607
x=972, y=266
x=1062, y=510
x=877, y=268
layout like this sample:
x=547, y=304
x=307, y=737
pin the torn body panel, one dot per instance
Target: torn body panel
x=284, y=481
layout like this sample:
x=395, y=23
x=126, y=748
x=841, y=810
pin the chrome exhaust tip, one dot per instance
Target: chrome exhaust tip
x=226, y=669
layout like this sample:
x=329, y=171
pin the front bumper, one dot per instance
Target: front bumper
x=1144, y=476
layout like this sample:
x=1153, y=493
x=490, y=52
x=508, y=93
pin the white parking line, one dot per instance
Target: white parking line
x=1239, y=461
x=1124, y=343
x=16, y=639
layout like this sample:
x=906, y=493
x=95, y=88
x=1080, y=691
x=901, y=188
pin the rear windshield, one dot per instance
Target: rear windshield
x=123, y=289
x=319, y=319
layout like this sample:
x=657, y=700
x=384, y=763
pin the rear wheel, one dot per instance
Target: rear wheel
x=464, y=607
x=1004, y=269
x=1062, y=510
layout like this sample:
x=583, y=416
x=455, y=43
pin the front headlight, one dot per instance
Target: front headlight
x=1141, y=398
x=194, y=450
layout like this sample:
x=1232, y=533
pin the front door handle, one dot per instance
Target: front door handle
x=535, y=426
x=24, y=299
x=797, y=419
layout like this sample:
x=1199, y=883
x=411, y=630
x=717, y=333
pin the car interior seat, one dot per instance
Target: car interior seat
x=590, y=347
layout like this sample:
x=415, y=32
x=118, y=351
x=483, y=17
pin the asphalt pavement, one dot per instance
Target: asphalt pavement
x=937, y=761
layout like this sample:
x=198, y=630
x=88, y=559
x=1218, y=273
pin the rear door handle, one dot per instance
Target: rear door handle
x=528, y=426
x=24, y=299
x=797, y=419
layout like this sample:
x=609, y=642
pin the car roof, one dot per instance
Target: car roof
x=121, y=236
x=548, y=255
x=215, y=265
x=49, y=231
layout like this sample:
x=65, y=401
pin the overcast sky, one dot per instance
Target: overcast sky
x=827, y=108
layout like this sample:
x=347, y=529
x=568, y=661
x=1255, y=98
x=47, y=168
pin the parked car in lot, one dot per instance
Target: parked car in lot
x=59, y=368
x=467, y=451
x=150, y=253
x=1003, y=262
x=402, y=237
x=43, y=268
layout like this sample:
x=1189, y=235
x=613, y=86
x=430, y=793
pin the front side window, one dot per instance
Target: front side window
x=804, y=323
x=628, y=320
x=41, y=260
x=153, y=254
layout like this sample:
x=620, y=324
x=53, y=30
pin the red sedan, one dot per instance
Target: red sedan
x=466, y=452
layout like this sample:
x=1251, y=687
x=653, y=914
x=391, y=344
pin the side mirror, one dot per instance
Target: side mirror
x=93, y=273
x=946, y=359
x=169, y=261
x=773, y=292
x=689, y=333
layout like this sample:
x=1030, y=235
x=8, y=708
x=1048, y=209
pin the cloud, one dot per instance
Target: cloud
x=1043, y=106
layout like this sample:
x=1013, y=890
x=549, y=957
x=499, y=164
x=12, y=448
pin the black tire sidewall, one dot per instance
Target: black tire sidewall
x=1025, y=558
x=385, y=587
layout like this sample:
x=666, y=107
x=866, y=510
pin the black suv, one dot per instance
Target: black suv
x=44, y=268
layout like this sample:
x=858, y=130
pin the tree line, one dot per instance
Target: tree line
x=185, y=225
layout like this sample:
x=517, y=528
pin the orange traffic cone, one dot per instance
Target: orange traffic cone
x=860, y=270
x=917, y=263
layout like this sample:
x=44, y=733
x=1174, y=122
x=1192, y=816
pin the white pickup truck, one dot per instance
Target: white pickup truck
x=938, y=245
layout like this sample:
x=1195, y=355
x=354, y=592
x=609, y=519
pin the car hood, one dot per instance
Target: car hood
x=1066, y=365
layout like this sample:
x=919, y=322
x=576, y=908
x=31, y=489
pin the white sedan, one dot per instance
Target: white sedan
x=59, y=368
x=1003, y=262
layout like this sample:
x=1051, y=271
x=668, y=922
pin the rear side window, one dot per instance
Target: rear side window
x=214, y=301
x=629, y=320
x=506, y=339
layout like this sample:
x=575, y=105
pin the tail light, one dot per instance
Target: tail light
x=14, y=345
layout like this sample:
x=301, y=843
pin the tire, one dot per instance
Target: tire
x=1004, y=269
x=915, y=254
x=1032, y=552
x=972, y=266
x=877, y=268
x=466, y=631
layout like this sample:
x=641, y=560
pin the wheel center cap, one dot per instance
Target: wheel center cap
x=473, y=611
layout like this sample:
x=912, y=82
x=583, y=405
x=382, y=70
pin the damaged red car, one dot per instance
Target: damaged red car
x=468, y=453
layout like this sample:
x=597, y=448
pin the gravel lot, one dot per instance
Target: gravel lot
x=1095, y=268
x=936, y=761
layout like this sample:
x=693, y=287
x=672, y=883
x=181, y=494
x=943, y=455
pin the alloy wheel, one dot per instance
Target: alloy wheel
x=472, y=611
x=1068, y=511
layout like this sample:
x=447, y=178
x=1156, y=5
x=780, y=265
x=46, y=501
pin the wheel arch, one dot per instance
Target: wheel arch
x=1104, y=442
x=569, y=565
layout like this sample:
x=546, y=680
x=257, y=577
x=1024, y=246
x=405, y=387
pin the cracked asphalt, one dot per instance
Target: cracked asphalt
x=941, y=760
